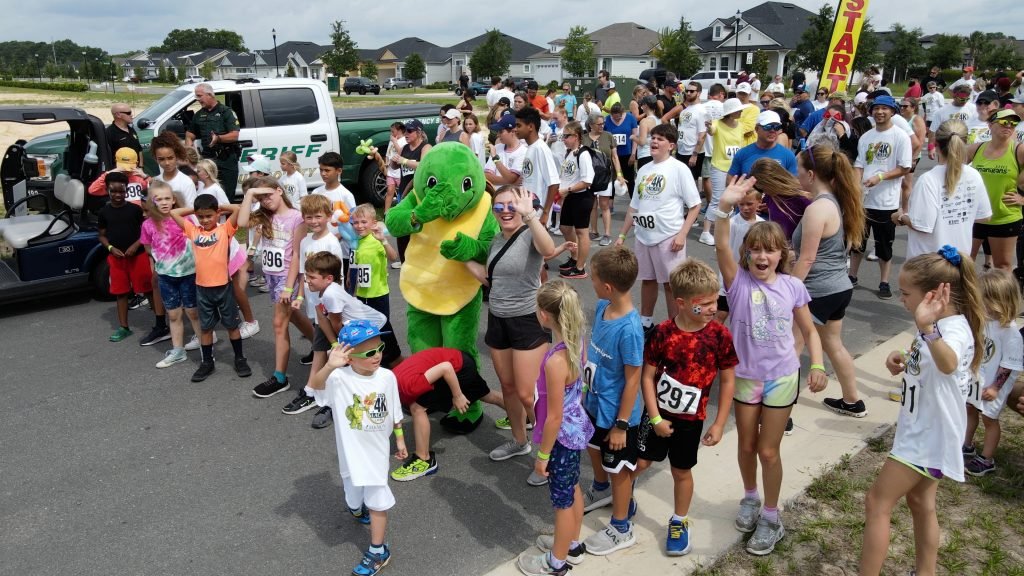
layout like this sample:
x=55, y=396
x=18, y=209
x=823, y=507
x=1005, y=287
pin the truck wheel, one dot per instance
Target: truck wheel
x=348, y=93
x=373, y=185
x=100, y=280
x=458, y=91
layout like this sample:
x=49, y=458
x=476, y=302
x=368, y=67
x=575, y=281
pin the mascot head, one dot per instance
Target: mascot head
x=451, y=173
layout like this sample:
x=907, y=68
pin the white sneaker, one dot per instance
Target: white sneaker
x=171, y=358
x=872, y=257
x=193, y=344
x=396, y=265
x=706, y=238
x=555, y=231
x=248, y=329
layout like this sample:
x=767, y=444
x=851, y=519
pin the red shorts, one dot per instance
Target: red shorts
x=131, y=274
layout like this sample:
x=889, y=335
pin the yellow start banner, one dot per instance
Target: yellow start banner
x=842, y=49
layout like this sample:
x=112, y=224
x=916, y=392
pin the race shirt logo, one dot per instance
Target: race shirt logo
x=527, y=168
x=651, y=185
x=880, y=151
x=205, y=240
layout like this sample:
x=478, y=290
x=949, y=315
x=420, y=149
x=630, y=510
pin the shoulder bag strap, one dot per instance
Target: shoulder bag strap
x=511, y=241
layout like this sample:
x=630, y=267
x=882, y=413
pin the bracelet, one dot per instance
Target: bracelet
x=399, y=432
x=528, y=216
x=335, y=344
x=298, y=298
x=619, y=174
x=622, y=236
x=287, y=290
x=110, y=247
x=543, y=455
x=818, y=367
x=656, y=420
x=881, y=176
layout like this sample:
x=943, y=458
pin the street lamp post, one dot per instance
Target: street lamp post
x=39, y=71
x=277, y=64
x=737, y=36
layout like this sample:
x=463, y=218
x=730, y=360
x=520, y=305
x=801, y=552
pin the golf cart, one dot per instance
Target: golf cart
x=48, y=240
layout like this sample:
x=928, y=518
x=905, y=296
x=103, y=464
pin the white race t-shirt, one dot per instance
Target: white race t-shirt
x=691, y=126
x=930, y=428
x=366, y=409
x=966, y=113
x=1004, y=348
x=938, y=220
x=214, y=190
x=664, y=192
x=713, y=111
x=182, y=185
x=308, y=247
x=899, y=122
x=493, y=95
x=879, y=152
x=576, y=169
x=539, y=169
x=978, y=131
x=391, y=153
x=339, y=196
x=294, y=186
x=777, y=87
x=511, y=159
x=335, y=300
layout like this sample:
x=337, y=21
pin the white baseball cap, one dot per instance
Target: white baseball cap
x=258, y=163
x=768, y=117
x=452, y=114
x=743, y=87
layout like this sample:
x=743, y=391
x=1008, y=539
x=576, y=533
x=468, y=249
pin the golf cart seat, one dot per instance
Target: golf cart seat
x=19, y=231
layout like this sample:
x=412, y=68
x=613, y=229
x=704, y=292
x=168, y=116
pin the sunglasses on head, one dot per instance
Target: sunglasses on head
x=369, y=353
x=500, y=207
x=773, y=127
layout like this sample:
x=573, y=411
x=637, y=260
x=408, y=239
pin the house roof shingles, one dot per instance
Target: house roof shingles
x=783, y=22
x=521, y=50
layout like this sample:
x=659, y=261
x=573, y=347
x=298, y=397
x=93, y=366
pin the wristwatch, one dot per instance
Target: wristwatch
x=622, y=424
x=496, y=158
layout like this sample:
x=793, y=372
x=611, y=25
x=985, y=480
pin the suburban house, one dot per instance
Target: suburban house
x=623, y=49
x=190, y=63
x=772, y=27
x=303, y=56
x=518, y=62
x=446, y=64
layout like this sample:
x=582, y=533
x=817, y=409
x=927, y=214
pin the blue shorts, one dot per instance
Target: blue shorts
x=563, y=476
x=177, y=292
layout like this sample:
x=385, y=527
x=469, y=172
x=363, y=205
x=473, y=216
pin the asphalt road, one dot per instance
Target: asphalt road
x=110, y=466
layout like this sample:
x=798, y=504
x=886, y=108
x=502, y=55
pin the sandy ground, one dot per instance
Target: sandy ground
x=12, y=131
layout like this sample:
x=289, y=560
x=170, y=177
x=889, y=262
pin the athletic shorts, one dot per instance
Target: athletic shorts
x=681, y=447
x=930, y=473
x=576, y=209
x=519, y=332
x=131, y=274
x=276, y=286
x=778, y=393
x=392, y=181
x=563, y=476
x=983, y=231
x=881, y=226
x=657, y=262
x=613, y=461
x=320, y=341
x=472, y=384
x=723, y=303
x=217, y=304
x=829, y=308
x=376, y=498
x=177, y=292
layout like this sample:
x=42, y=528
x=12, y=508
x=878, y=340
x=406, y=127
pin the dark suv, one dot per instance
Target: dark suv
x=361, y=85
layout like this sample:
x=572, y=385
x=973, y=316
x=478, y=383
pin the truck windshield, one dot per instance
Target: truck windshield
x=173, y=99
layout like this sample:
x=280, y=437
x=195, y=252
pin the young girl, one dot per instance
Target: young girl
x=562, y=429
x=208, y=184
x=472, y=137
x=941, y=291
x=291, y=180
x=281, y=232
x=1000, y=366
x=174, y=264
x=764, y=302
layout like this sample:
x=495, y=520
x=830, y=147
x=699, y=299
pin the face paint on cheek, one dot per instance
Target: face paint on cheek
x=697, y=310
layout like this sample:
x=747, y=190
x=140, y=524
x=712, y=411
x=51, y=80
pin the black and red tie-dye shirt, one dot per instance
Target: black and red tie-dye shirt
x=690, y=360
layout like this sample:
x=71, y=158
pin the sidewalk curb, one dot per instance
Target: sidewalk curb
x=819, y=440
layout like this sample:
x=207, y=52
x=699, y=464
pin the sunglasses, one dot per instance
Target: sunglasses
x=1006, y=122
x=369, y=353
x=691, y=91
x=765, y=102
x=125, y=113
x=500, y=207
x=906, y=106
x=773, y=127
x=822, y=93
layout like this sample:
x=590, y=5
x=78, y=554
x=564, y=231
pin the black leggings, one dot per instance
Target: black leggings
x=628, y=172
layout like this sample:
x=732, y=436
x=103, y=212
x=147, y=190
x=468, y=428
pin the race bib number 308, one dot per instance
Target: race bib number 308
x=645, y=221
x=677, y=398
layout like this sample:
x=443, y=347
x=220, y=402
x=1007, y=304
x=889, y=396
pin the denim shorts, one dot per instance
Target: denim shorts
x=563, y=476
x=177, y=292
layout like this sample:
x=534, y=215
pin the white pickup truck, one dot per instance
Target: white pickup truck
x=275, y=115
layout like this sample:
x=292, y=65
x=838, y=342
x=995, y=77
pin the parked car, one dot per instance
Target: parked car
x=520, y=82
x=658, y=74
x=56, y=249
x=275, y=115
x=709, y=79
x=475, y=88
x=194, y=79
x=360, y=85
x=396, y=83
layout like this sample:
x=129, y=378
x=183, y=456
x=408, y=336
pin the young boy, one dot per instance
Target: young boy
x=214, y=293
x=336, y=308
x=663, y=209
x=739, y=224
x=370, y=273
x=120, y=227
x=316, y=213
x=681, y=360
x=432, y=380
x=353, y=382
x=612, y=377
x=331, y=166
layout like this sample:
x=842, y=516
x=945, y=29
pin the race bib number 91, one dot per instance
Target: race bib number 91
x=677, y=398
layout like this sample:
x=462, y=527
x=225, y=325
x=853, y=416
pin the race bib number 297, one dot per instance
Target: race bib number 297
x=677, y=398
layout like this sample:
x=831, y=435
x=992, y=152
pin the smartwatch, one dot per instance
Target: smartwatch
x=935, y=335
x=622, y=424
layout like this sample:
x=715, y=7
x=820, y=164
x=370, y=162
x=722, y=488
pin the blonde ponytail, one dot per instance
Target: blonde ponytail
x=561, y=301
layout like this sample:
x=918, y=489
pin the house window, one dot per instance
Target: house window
x=718, y=32
x=725, y=63
x=526, y=68
x=713, y=65
x=748, y=36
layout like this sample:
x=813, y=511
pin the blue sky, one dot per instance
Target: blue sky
x=119, y=26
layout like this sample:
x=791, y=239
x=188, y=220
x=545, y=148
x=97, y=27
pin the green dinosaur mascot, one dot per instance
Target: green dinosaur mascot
x=448, y=217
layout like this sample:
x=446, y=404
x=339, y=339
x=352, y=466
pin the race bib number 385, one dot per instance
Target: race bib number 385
x=677, y=398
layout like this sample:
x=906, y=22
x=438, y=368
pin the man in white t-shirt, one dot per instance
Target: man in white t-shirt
x=713, y=110
x=540, y=173
x=497, y=91
x=883, y=158
x=663, y=209
x=690, y=118
x=777, y=86
x=936, y=219
x=505, y=158
x=958, y=108
x=966, y=80
x=755, y=83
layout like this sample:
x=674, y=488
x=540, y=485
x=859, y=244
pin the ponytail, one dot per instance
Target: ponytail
x=834, y=167
x=951, y=139
x=561, y=301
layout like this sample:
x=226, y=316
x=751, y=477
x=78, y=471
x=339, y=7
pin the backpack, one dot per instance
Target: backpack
x=602, y=172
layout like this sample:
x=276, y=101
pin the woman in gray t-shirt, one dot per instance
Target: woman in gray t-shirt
x=515, y=337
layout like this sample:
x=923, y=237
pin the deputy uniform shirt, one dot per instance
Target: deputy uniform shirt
x=932, y=420
x=366, y=409
x=879, y=152
x=308, y=247
x=539, y=170
x=664, y=192
x=965, y=113
x=1004, y=348
x=220, y=120
x=938, y=218
x=691, y=126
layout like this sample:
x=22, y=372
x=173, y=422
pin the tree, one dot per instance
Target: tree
x=172, y=75
x=51, y=70
x=343, y=55
x=290, y=71
x=368, y=69
x=977, y=43
x=181, y=73
x=198, y=39
x=207, y=70
x=675, y=50
x=491, y=57
x=161, y=74
x=947, y=52
x=813, y=46
x=906, y=50
x=578, y=54
x=867, y=47
x=760, y=64
x=139, y=73
x=415, y=69
x=998, y=52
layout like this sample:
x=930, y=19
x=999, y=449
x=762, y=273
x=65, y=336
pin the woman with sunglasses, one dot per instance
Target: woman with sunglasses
x=999, y=162
x=820, y=99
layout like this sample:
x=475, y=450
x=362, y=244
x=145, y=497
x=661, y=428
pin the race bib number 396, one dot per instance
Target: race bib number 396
x=273, y=259
x=677, y=398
